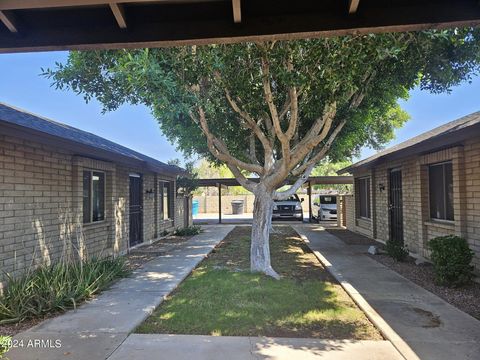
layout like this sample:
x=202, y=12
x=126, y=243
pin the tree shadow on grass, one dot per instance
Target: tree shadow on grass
x=222, y=297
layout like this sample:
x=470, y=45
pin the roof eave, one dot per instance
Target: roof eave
x=436, y=143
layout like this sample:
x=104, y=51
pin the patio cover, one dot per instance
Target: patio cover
x=40, y=25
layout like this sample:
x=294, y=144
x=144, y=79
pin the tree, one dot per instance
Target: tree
x=210, y=170
x=329, y=168
x=187, y=182
x=275, y=109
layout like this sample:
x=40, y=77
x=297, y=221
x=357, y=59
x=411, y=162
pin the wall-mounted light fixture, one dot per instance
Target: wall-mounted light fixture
x=381, y=187
x=149, y=193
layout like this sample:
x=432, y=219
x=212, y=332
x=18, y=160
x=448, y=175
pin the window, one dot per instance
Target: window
x=363, y=197
x=441, y=191
x=165, y=200
x=93, y=196
x=328, y=200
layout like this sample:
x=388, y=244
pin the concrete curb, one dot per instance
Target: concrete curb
x=385, y=329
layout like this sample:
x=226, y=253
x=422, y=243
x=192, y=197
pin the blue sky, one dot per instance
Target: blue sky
x=134, y=127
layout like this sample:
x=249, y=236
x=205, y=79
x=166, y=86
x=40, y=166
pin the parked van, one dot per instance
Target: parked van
x=327, y=207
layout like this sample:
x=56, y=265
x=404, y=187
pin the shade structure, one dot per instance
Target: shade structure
x=40, y=25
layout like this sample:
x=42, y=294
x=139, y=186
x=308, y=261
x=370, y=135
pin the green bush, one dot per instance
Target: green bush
x=58, y=287
x=5, y=343
x=188, y=231
x=451, y=259
x=396, y=250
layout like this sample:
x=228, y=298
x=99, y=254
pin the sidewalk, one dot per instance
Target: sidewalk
x=434, y=329
x=98, y=327
x=199, y=347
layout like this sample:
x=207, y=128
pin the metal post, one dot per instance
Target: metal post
x=219, y=203
x=310, y=217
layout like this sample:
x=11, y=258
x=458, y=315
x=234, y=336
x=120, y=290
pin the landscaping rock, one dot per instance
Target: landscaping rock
x=373, y=250
x=420, y=261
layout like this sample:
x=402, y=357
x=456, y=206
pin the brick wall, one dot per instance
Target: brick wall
x=41, y=217
x=417, y=226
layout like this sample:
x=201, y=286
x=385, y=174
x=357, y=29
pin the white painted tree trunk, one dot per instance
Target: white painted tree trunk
x=262, y=221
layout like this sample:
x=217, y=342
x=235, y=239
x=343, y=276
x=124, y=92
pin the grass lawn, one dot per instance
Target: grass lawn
x=221, y=297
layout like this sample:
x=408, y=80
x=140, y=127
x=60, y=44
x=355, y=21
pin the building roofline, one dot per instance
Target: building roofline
x=32, y=125
x=440, y=137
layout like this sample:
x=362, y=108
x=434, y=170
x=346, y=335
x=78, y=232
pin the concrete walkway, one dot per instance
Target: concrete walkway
x=98, y=327
x=196, y=347
x=434, y=329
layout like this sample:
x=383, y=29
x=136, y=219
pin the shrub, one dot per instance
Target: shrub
x=188, y=231
x=58, y=287
x=5, y=343
x=451, y=259
x=396, y=250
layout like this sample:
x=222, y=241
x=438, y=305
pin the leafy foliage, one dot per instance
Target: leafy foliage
x=325, y=69
x=58, y=287
x=188, y=231
x=187, y=183
x=5, y=343
x=275, y=109
x=451, y=258
x=330, y=168
x=396, y=250
x=211, y=170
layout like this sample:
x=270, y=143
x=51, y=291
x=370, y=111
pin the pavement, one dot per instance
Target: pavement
x=245, y=218
x=431, y=327
x=409, y=316
x=99, y=326
x=196, y=347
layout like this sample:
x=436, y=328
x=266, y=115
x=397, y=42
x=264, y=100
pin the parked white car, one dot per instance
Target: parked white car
x=327, y=207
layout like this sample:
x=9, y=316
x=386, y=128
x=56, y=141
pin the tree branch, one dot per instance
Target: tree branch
x=282, y=195
x=252, y=153
x=218, y=148
x=267, y=89
x=322, y=152
x=315, y=135
x=247, y=184
x=250, y=122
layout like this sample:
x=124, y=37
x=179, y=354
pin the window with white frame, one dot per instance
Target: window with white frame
x=93, y=196
x=165, y=200
x=440, y=181
x=362, y=195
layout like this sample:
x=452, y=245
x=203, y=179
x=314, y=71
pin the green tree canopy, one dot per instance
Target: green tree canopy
x=276, y=108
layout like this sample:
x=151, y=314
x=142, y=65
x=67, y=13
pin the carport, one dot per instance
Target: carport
x=312, y=180
x=45, y=25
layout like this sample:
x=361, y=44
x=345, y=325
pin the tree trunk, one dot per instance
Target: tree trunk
x=262, y=221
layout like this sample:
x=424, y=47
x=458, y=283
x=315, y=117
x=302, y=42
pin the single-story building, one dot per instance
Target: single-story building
x=64, y=192
x=425, y=187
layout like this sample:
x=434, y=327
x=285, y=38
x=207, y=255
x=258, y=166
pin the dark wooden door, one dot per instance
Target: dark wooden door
x=396, y=206
x=136, y=210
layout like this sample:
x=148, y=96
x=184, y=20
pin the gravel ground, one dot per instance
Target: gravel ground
x=13, y=329
x=466, y=298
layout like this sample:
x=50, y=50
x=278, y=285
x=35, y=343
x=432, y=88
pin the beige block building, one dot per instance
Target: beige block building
x=65, y=192
x=425, y=187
